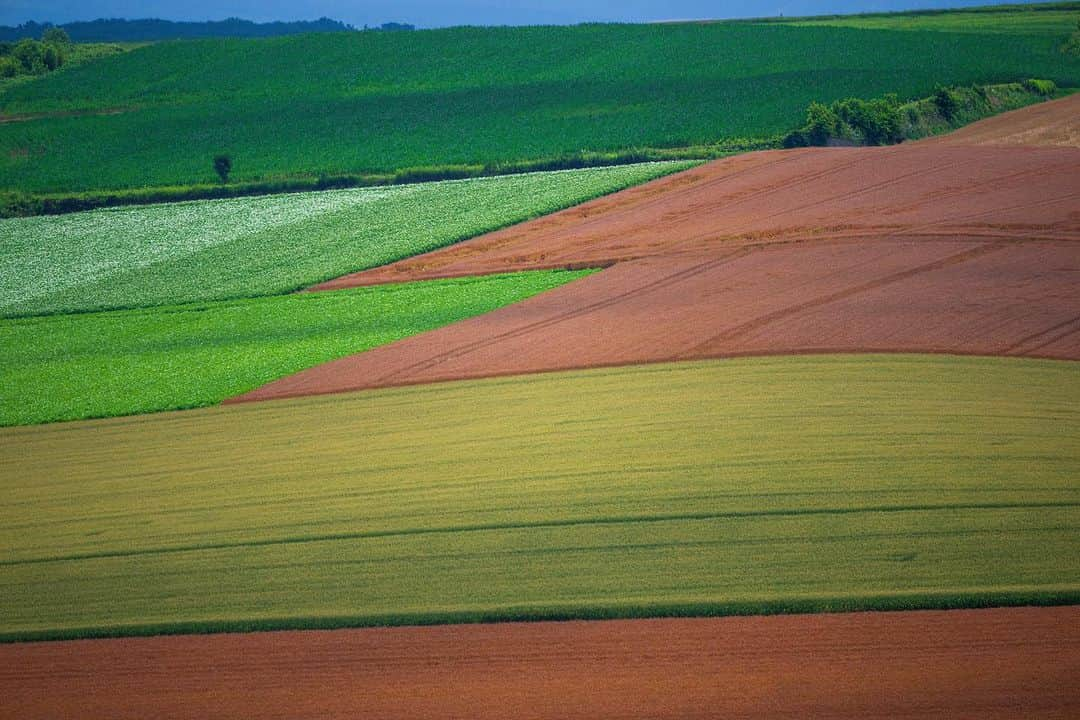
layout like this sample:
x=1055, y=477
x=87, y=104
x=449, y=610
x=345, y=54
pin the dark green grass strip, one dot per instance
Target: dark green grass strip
x=894, y=602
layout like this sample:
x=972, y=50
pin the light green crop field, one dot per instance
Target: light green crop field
x=736, y=486
x=245, y=247
x=1055, y=20
x=69, y=367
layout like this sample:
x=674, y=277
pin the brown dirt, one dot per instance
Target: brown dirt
x=1052, y=123
x=923, y=247
x=892, y=294
x=1003, y=663
x=27, y=117
x=775, y=196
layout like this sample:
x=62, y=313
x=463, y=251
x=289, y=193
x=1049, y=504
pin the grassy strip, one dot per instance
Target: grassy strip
x=898, y=602
x=1035, y=18
x=245, y=247
x=120, y=363
x=742, y=486
x=22, y=204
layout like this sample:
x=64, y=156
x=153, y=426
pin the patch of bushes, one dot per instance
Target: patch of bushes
x=1042, y=87
x=1072, y=45
x=885, y=121
x=947, y=102
x=34, y=57
x=850, y=122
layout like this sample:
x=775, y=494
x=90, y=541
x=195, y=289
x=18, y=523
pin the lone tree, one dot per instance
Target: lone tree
x=56, y=36
x=222, y=166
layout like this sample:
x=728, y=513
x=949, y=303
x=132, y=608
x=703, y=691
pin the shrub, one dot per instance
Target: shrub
x=56, y=36
x=1072, y=45
x=946, y=102
x=1042, y=87
x=223, y=166
x=28, y=54
x=821, y=124
x=51, y=57
x=876, y=122
x=30, y=57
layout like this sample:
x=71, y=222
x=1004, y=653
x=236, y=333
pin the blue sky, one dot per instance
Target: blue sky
x=439, y=13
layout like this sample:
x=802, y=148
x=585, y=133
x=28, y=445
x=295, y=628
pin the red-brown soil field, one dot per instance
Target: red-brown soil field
x=928, y=295
x=1006, y=663
x=922, y=247
x=1054, y=123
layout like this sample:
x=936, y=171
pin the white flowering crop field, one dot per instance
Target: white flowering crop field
x=246, y=247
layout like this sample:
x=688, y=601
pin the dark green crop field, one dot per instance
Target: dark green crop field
x=357, y=102
x=741, y=486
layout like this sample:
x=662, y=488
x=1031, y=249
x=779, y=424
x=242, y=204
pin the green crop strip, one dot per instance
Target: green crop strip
x=245, y=247
x=138, y=361
x=379, y=102
x=761, y=485
x=1050, y=19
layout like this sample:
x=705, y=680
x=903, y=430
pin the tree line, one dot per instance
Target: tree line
x=149, y=30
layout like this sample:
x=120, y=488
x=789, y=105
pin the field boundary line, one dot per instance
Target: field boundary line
x=897, y=601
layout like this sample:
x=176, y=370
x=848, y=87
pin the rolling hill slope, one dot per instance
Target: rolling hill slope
x=352, y=102
x=721, y=487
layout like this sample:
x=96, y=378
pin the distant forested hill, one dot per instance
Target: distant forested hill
x=116, y=30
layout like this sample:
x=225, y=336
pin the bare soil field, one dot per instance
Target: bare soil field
x=945, y=295
x=1001, y=663
x=913, y=191
x=1053, y=123
x=933, y=246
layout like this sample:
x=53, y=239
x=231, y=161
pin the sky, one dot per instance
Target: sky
x=441, y=13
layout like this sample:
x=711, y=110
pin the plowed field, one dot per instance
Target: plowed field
x=929, y=247
x=935, y=246
x=1056, y=123
x=1007, y=663
x=911, y=191
x=945, y=295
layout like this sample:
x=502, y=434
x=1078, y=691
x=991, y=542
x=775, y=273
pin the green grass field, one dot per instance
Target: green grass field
x=245, y=247
x=136, y=361
x=738, y=486
x=350, y=102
